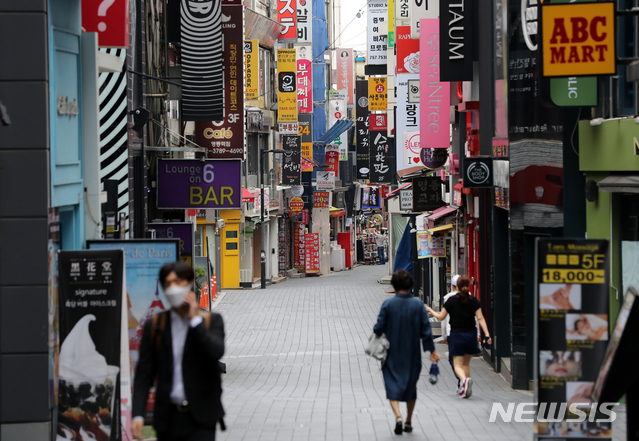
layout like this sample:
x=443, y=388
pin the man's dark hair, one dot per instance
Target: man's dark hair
x=181, y=269
x=402, y=280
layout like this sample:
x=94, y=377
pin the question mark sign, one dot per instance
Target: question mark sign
x=102, y=11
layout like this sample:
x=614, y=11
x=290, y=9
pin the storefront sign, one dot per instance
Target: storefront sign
x=325, y=180
x=192, y=183
x=225, y=138
x=382, y=157
x=252, y=73
x=407, y=51
x=299, y=256
x=412, y=149
x=406, y=199
x=378, y=122
x=182, y=231
x=202, y=60
x=573, y=322
x=304, y=21
x=110, y=19
x=337, y=112
x=427, y=193
x=361, y=126
x=413, y=91
x=423, y=245
x=306, y=136
x=321, y=198
x=345, y=77
x=433, y=158
x=376, y=41
x=290, y=128
x=478, y=172
x=332, y=158
x=579, y=39
x=286, y=85
x=435, y=104
x=292, y=165
x=91, y=295
x=456, y=46
x=296, y=204
x=574, y=91
x=282, y=254
x=402, y=13
x=305, y=78
x=312, y=248
x=406, y=121
x=422, y=9
x=287, y=17
x=377, y=96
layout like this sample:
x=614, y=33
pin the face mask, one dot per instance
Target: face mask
x=176, y=295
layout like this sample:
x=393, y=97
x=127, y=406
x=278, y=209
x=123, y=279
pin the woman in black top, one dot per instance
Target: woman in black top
x=462, y=341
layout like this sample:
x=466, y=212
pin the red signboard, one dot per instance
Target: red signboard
x=320, y=199
x=296, y=204
x=378, y=122
x=306, y=216
x=332, y=159
x=311, y=242
x=110, y=19
x=287, y=17
x=407, y=51
x=299, y=257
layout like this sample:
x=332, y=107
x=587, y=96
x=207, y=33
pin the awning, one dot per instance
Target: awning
x=442, y=228
x=338, y=213
x=441, y=212
x=259, y=27
x=338, y=128
x=620, y=184
x=247, y=196
x=395, y=192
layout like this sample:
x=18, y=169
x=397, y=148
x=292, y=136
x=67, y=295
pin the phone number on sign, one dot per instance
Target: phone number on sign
x=222, y=151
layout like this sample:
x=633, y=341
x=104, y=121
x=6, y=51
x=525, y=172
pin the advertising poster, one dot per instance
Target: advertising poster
x=371, y=197
x=435, y=103
x=423, y=244
x=345, y=77
x=572, y=309
x=225, y=138
x=312, y=248
x=191, y=183
x=376, y=41
x=407, y=52
x=299, y=256
x=438, y=245
x=292, y=165
x=321, y=199
x=305, y=132
x=381, y=157
x=53, y=246
x=363, y=146
x=304, y=21
x=286, y=85
x=252, y=72
x=377, y=96
x=287, y=17
x=182, y=231
x=90, y=317
x=420, y=9
x=407, y=120
x=304, y=79
x=427, y=193
x=281, y=241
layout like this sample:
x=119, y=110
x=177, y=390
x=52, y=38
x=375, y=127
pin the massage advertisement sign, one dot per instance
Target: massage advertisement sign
x=91, y=290
x=192, y=183
x=572, y=331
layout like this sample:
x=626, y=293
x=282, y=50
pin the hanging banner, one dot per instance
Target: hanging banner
x=304, y=21
x=345, y=77
x=376, y=42
x=312, y=249
x=202, y=61
x=377, y=96
x=286, y=85
x=361, y=127
x=332, y=158
x=338, y=111
x=192, y=183
x=292, y=165
x=423, y=244
x=321, y=198
x=252, y=72
x=381, y=157
x=91, y=291
x=287, y=17
x=182, y=231
x=325, y=180
x=110, y=22
x=478, y=172
x=225, y=138
x=419, y=10
x=407, y=120
x=407, y=52
x=299, y=256
x=427, y=193
x=456, y=23
x=305, y=79
x=435, y=103
x=402, y=13
x=572, y=309
x=306, y=137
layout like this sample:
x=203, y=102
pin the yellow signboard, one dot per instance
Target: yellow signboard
x=252, y=63
x=578, y=39
x=286, y=85
x=377, y=96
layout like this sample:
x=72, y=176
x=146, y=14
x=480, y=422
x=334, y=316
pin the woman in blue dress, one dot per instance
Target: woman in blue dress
x=405, y=322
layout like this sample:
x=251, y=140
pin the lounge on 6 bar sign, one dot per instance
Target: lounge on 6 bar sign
x=191, y=183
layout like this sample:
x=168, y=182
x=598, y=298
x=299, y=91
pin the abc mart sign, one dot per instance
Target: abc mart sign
x=578, y=39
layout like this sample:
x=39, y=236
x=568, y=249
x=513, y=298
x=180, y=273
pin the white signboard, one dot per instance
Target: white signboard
x=304, y=21
x=325, y=180
x=406, y=199
x=407, y=120
x=421, y=9
x=289, y=128
x=338, y=111
x=413, y=91
x=376, y=41
x=411, y=149
x=402, y=12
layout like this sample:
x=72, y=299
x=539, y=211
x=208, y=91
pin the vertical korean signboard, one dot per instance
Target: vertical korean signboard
x=287, y=17
x=305, y=79
x=377, y=96
x=381, y=157
x=225, y=138
x=572, y=308
x=252, y=73
x=337, y=105
x=312, y=250
x=376, y=42
x=292, y=166
x=345, y=78
x=456, y=23
x=299, y=256
x=427, y=193
x=306, y=137
x=361, y=126
x=286, y=85
x=304, y=21
x=407, y=121
x=435, y=94
x=332, y=158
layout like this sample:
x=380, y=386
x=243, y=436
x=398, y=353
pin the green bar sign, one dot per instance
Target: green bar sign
x=574, y=91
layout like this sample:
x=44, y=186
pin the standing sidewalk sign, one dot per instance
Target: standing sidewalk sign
x=182, y=231
x=93, y=374
x=312, y=249
x=299, y=257
x=572, y=330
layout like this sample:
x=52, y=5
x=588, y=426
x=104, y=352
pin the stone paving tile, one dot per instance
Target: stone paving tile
x=297, y=370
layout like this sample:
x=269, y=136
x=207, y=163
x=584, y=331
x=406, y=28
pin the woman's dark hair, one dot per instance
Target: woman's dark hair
x=577, y=324
x=181, y=269
x=402, y=280
x=463, y=288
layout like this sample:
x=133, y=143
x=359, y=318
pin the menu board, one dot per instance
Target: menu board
x=312, y=253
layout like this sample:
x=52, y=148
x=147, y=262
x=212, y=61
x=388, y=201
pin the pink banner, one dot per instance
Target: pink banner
x=345, y=79
x=434, y=94
x=304, y=86
x=312, y=253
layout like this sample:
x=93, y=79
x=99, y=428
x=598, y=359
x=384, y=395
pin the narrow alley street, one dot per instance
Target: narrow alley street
x=297, y=370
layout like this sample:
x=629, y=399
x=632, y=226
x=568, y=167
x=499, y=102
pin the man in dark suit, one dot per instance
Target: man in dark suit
x=180, y=348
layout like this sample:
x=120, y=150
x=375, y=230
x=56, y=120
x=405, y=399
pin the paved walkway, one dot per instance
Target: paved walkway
x=297, y=370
